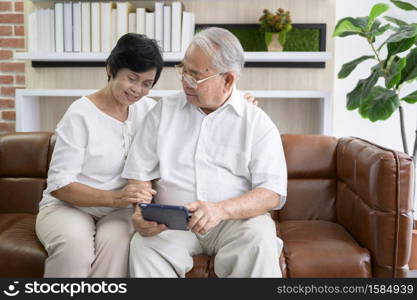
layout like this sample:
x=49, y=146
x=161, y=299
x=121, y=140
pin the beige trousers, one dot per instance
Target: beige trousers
x=242, y=248
x=80, y=246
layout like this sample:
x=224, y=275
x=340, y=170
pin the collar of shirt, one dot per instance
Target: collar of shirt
x=235, y=101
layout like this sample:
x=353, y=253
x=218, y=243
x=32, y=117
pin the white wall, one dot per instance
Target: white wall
x=350, y=123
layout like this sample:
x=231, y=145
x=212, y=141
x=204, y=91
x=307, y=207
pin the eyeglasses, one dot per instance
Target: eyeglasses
x=191, y=81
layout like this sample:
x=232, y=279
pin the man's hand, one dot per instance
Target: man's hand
x=146, y=228
x=133, y=193
x=249, y=97
x=206, y=215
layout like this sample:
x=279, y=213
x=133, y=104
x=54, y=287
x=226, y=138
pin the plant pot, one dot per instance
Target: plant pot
x=272, y=41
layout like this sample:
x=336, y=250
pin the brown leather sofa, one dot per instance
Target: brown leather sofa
x=348, y=211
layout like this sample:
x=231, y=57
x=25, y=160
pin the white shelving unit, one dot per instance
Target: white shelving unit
x=178, y=56
x=28, y=102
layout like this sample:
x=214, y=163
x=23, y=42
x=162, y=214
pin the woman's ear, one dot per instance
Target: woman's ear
x=230, y=79
x=108, y=73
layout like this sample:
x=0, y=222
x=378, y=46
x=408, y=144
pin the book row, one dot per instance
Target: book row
x=96, y=26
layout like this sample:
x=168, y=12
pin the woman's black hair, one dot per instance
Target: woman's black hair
x=135, y=52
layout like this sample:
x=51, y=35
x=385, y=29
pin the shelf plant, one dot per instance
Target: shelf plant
x=276, y=26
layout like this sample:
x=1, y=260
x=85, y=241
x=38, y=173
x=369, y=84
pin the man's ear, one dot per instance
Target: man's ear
x=230, y=79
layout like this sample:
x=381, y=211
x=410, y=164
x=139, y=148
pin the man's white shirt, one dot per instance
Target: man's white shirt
x=210, y=157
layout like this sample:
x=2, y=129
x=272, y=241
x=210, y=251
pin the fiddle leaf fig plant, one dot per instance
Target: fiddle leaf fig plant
x=379, y=95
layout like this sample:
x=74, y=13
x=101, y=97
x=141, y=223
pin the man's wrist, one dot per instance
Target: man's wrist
x=224, y=213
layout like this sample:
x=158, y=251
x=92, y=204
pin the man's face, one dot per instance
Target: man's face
x=128, y=86
x=210, y=94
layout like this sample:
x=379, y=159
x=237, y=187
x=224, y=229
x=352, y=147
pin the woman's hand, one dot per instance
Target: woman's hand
x=133, y=193
x=146, y=228
x=249, y=97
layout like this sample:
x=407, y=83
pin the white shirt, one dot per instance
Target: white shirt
x=91, y=148
x=211, y=157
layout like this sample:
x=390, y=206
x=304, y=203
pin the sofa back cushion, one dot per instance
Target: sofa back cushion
x=23, y=171
x=311, y=164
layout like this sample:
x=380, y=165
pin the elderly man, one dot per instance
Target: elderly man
x=208, y=149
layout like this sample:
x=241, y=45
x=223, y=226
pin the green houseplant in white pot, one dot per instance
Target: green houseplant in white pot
x=275, y=26
x=395, y=65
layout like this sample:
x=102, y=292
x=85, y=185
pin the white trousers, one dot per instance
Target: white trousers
x=80, y=246
x=241, y=248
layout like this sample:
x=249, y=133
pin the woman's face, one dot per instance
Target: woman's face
x=128, y=86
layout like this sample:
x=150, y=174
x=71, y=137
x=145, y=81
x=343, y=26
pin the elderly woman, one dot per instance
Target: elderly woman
x=84, y=221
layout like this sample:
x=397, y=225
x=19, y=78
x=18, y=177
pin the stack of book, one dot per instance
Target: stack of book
x=96, y=26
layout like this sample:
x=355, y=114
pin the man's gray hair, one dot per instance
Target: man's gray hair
x=224, y=48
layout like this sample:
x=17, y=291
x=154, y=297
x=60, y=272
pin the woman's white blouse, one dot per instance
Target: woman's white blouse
x=91, y=148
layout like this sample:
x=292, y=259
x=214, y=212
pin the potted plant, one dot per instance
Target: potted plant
x=395, y=64
x=276, y=27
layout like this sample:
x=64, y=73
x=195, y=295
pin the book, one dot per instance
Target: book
x=114, y=26
x=68, y=38
x=95, y=27
x=167, y=28
x=132, y=22
x=51, y=29
x=159, y=23
x=59, y=27
x=105, y=26
x=176, y=23
x=46, y=30
x=150, y=25
x=85, y=26
x=40, y=42
x=188, y=24
x=76, y=26
x=140, y=20
x=123, y=10
x=32, y=32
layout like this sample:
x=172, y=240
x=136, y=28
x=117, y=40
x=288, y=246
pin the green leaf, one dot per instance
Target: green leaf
x=401, y=40
x=380, y=104
x=282, y=37
x=377, y=10
x=362, y=90
x=396, y=21
x=361, y=22
x=376, y=31
x=345, y=27
x=411, y=98
x=404, y=5
x=347, y=68
x=404, y=32
x=410, y=70
x=394, y=72
x=401, y=46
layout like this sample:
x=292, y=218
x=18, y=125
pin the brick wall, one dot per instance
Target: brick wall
x=12, y=73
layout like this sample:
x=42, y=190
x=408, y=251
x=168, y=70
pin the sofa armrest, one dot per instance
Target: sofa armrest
x=374, y=202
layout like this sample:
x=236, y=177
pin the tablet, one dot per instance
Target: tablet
x=173, y=216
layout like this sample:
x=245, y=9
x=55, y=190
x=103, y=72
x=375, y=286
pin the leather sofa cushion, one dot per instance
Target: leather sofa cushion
x=322, y=249
x=310, y=156
x=24, y=155
x=21, y=195
x=21, y=253
x=201, y=268
x=310, y=199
